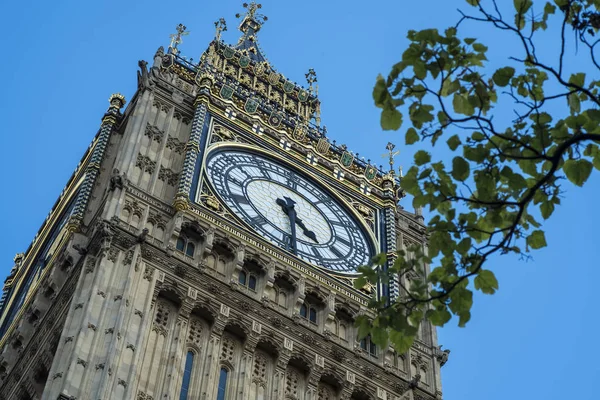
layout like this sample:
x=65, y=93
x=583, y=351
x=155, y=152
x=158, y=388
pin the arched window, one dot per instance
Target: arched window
x=190, y=249
x=242, y=278
x=186, y=245
x=342, y=331
x=282, y=299
x=222, y=383
x=187, y=376
x=247, y=279
x=312, y=315
x=367, y=345
x=309, y=312
x=303, y=311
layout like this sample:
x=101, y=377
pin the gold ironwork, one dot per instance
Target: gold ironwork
x=252, y=13
x=390, y=155
x=176, y=39
x=220, y=26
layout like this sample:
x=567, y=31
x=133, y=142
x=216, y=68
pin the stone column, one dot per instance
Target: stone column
x=112, y=115
x=212, y=360
x=245, y=377
x=191, y=155
x=389, y=220
x=279, y=376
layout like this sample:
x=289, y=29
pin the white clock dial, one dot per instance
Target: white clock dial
x=257, y=189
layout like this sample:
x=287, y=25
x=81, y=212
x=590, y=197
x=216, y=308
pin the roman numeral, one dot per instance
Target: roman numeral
x=259, y=220
x=343, y=241
x=240, y=199
x=335, y=251
x=317, y=254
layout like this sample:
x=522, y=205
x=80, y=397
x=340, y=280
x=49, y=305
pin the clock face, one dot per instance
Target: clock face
x=282, y=205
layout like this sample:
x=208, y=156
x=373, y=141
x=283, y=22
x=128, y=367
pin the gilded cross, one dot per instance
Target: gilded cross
x=311, y=77
x=221, y=26
x=176, y=39
x=252, y=12
x=391, y=154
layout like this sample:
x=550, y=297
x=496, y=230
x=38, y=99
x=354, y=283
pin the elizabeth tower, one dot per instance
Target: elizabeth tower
x=206, y=248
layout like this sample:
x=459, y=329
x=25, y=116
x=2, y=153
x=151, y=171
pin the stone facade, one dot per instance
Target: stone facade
x=132, y=288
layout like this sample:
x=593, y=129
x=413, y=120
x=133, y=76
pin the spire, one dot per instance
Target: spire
x=251, y=23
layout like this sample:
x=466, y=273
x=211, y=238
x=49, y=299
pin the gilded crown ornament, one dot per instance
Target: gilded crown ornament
x=117, y=100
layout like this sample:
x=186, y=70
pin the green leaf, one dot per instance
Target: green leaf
x=364, y=327
x=546, y=208
x=422, y=157
x=521, y=6
x=380, y=92
x=460, y=169
x=574, y=103
x=379, y=336
x=537, y=240
x=469, y=40
x=391, y=119
x=412, y=136
x=360, y=282
x=577, y=79
x=480, y=48
x=453, y=142
x=461, y=105
x=438, y=317
x=486, y=282
x=401, y=341
x=578, y=171
x=594, y=114
x=503, y=76
x=464, y=246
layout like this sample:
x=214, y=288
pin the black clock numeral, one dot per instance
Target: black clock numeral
x=240, y=199
x=335, y=251
x=259, y=220
x=317, y=254
x=344, y=241
x=235, y=181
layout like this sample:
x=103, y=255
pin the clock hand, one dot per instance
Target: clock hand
x=287, y=206
x=308, y=233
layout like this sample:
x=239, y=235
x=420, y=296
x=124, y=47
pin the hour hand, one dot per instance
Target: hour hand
x=305, y=231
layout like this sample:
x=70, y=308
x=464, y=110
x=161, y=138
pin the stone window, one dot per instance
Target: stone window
x=309, y=312
x=187, y=375
x=222, y=388
x=368, y=346
x=247, y=279
x=186, y=246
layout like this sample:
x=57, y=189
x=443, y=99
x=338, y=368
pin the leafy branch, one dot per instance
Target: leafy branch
x=512, y=138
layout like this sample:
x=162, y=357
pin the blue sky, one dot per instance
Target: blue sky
x=534, y=339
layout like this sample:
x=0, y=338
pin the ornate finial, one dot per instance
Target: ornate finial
x=19, y=258
x=117, y=100
x=221, y=26
x=400, y=171
x=176, y=39
x=311, y=77
x=391, y=154
x=252, y=14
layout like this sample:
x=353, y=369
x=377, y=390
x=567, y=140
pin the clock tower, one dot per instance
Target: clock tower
x=206, y=247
